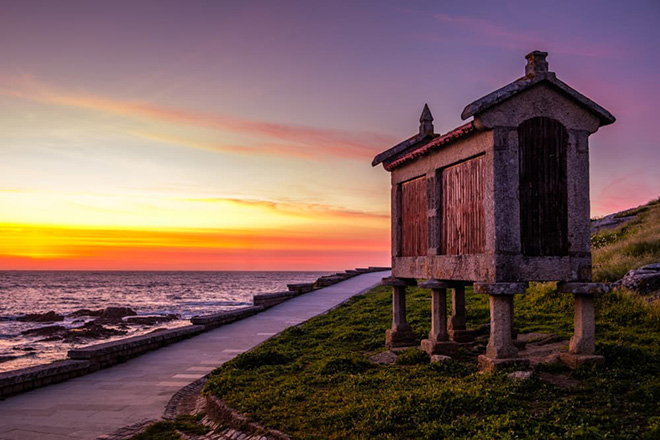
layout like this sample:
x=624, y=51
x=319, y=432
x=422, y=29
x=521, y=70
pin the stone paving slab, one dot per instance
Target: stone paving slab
x=125, y=394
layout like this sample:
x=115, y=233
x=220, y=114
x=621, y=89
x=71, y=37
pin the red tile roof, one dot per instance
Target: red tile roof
x=447, y=138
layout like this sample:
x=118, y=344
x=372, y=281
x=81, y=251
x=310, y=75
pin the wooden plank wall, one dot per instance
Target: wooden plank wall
x=463, y=221
x=414, y=218
x=543, y=187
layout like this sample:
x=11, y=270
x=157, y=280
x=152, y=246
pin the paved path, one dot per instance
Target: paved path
x=102, y=402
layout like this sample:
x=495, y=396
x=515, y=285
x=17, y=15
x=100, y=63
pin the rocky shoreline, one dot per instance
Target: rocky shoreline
x=39, y=333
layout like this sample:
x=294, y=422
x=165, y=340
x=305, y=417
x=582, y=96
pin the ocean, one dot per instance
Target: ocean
x=149, y=294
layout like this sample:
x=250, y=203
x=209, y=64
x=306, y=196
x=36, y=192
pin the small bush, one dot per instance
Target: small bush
x=187, y=424
x=259, y=358
x=412, y=356
x=347, y=365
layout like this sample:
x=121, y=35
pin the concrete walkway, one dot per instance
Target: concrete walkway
x=126, y=394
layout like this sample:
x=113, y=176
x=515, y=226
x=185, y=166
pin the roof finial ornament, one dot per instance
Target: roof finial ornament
x=536, y=63
x=426, y=121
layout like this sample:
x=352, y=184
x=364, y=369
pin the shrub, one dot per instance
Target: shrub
x=412, y=356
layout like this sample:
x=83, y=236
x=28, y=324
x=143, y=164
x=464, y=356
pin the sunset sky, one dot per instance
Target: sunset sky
x=238, y=135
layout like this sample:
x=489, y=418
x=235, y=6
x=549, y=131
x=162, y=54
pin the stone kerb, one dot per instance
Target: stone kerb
x=26, y=379
x=225, y=317
x=300, y=288
x=272, y=299
x=111, y=353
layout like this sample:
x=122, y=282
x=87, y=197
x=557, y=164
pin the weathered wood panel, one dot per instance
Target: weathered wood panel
x=463, y=217
x=414, y=218
x=543, y=187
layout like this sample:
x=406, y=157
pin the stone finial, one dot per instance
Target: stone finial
x=426, y=121
x=536, y=63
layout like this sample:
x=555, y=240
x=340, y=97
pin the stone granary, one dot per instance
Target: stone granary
x=495, y=203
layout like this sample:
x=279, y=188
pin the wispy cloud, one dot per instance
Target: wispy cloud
x=283, y=139
x=313, y=210
x=484, y=32
x=270, y=148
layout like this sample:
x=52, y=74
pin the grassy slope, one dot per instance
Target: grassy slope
x=314, y=381
x=630, y=246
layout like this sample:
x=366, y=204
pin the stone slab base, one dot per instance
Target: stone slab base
x=462, y=335
x=400, y=338
x=488, y=364
x=576, y=360
x=448, y=348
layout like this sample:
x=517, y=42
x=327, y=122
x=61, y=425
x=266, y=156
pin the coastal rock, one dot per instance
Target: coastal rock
x=440, y=358
x=91, y=330
x=116, y=313
x=85, y=312
x=644, y=280
x=42, y=317
x=7, y=358
x=50, y=330
x=386, y=357
x=520, y=376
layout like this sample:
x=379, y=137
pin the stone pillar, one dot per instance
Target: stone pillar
x=582, y=348
x=584, y=334
x=500, y=344
x=401, y=334
x=500, y=350
x=438, y=341
x=457, y=324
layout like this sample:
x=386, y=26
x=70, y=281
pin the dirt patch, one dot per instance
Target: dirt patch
x=559, y=380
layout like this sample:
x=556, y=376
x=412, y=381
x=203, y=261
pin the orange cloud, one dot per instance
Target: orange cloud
x=311, y=210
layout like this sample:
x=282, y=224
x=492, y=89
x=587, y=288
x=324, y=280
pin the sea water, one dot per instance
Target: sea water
x=184, y=294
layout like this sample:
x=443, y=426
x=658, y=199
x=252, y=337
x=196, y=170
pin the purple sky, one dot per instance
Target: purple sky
x=287, y=101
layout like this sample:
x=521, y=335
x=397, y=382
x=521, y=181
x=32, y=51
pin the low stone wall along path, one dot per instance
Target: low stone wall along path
x=138, y=390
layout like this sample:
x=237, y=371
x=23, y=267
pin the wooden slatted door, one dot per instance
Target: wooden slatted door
x=463, y=221
x=543, y=187
x=414, y=218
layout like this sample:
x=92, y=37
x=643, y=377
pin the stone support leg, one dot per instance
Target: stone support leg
x=584, y=337
x=399, y=308
x=457, y=323
x=500, y=344
x=438, y=315
x=500, y=350
x=401, y=334
x=438, y=341
x=582, y=348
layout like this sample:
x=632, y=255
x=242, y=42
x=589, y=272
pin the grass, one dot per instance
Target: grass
x=315, y=382
x=629, y=246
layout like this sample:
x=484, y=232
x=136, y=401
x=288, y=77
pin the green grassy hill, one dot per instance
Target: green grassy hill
x=314, y=381
x=629, y=246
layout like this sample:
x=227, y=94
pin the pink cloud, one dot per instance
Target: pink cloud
x=624, y=192
x=291, y=139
